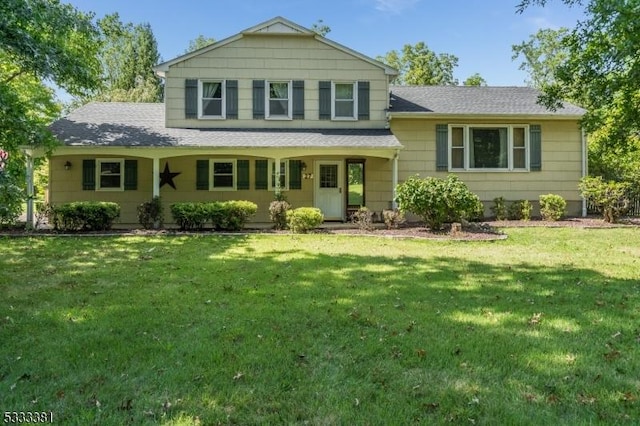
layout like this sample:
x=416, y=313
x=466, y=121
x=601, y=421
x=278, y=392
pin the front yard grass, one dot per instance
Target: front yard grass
x=542, y=328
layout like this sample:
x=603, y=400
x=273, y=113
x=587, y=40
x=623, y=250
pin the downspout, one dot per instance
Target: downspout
x=394, y=180
x=585, y=169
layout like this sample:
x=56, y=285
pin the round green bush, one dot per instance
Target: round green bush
x=304, y=219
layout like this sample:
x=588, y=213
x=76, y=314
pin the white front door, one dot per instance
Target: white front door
x=328, y=194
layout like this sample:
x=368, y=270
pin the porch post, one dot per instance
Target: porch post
x=29, y=157
x=156, y=177
x=277, y=188
x=394, y=180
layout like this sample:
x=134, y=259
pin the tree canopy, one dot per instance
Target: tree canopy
x=198, y=43
x=475, y=80
x=41, y=40
x=420, y=66
x=541, y=55
x=602, y=74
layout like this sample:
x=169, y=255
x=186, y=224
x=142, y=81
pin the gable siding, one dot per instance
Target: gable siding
x=276, y=58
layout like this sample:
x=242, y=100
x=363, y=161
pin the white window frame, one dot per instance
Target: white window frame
x=466, y=138
x=223, y=109
x=99, y=162
x=267, y=98
x=334, y=100
x=271, y=175
x=212, y=162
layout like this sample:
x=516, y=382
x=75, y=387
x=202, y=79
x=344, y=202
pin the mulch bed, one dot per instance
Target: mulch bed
x=484, y=231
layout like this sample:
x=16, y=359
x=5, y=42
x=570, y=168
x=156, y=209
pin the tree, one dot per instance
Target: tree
x=320, y=28
x=475, y=80
x=128, y=55
x=602, y=67
x=542, y=54
x=419, y=66
x=198, y=43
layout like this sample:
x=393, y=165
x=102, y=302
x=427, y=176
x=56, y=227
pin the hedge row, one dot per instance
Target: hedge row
x=223, y=215
x=84, y=215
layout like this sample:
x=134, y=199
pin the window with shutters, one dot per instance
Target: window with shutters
x=278, y=100
x=110, y=174
x=488, y=147
x=211, y=95
x=344, y=103
x=223, y=174
x=284, y=174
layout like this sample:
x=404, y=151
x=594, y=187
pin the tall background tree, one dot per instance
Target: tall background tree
x=198, y=43
x=601, y=73
x=475, y=80
x=419, y=66
x=128, y=55
x=541, y=55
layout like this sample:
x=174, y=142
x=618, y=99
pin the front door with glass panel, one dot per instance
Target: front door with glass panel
x=329, y=195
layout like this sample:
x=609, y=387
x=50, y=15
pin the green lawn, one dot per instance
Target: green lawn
x=542, y=328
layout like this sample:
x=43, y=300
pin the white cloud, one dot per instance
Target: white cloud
x=394, y=6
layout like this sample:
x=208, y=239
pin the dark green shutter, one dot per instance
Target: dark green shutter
x=262, y=174
x=363, y=100
x=131, y=175
x=243, y=174
x=202, y=174
x=258, y=99
x=191, y=98
x=232, y=99
x=88, y=174
x=295, y=174
x=324, y=96
x=442, y=147
x=535, y=146
x=298, y=100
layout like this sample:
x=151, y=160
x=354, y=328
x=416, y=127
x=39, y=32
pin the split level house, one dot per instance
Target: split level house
x=279, y=108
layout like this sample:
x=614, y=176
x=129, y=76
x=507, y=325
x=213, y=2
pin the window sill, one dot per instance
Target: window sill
x=212, y=117
x=223, y=189
x=110, y=189
x=279, y=118
x=344, y=119
x=489, y=170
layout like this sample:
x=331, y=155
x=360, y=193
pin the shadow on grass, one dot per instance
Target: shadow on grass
x=155, y=329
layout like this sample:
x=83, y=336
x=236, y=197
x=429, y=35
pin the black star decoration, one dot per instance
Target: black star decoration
x=166, y=177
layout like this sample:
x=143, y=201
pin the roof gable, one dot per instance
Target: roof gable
x=274, y=26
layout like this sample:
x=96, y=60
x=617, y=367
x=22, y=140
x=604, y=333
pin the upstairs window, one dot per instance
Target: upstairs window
x=477, y=147
x=211, y=94
x=278, y=105
x=345, y=103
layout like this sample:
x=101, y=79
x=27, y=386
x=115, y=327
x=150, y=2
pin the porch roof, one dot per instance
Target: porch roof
x=122, y=124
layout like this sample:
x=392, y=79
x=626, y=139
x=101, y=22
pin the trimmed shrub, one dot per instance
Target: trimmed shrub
x=151, y=213
x=499, y=208
x=190, y=216
x=231, y=215
x=520, y=210
x=278, y=213
x=552, y=207
x=363, y=218
x=437, y=201
x=85, y=215
x=609, y=197
x=304, y=219
x=393, y=218
x=224, y=215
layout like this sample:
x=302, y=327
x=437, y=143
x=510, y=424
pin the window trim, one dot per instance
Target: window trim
x=212, y=162
x=223, y=100
x=99, y=162
x=466, y=140
x=267, y=99
x=354, y=117
x=271, y=174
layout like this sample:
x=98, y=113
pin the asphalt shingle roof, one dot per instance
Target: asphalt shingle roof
x=473, y=100
x=140, y=124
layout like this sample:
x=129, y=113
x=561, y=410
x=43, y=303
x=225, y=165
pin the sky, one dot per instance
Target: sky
x=479, y=32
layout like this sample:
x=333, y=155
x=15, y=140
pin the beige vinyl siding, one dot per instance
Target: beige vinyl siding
x=273, y=57
x=66, y=186
x=561, y=161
